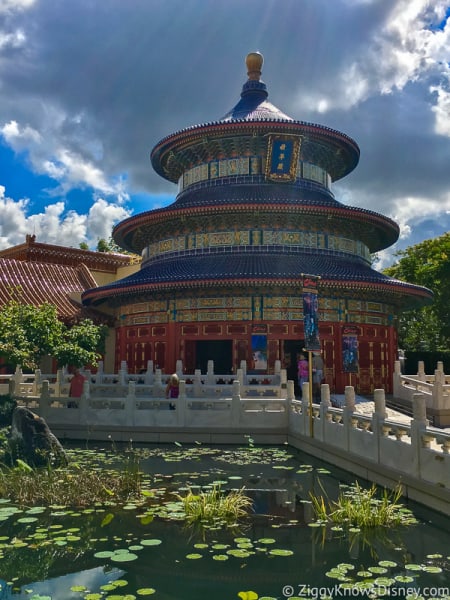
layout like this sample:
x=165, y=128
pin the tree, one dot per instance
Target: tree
x=28, y=333
x=426, y=264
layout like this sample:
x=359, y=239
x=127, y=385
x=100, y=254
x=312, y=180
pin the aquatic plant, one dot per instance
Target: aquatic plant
x=214, y=505
x=361, y=507
x=71, y=486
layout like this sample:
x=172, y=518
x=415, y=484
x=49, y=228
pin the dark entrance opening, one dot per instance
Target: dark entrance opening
x=291, y=349
x=220, y=351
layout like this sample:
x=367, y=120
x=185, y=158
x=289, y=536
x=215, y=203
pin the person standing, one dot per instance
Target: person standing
x=173, y=389
x=317, y=368
x=302, y=370
x=76, y=387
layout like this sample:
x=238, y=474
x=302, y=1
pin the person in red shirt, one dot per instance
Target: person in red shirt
x=76, y=387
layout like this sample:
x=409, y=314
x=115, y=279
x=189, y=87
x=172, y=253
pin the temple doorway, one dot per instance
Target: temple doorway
x=291, y=349
x=220, y=351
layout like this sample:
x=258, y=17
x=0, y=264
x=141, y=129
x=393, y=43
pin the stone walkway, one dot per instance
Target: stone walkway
x=367, y=407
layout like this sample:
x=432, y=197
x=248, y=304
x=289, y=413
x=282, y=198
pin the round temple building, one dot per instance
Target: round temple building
x=224, y=267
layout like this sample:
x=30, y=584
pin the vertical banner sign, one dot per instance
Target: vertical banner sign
x=282, y=157
x=350, y=349
x=259, y=352
x=311, y=314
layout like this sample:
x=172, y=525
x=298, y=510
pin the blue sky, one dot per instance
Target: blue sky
x=87, y=88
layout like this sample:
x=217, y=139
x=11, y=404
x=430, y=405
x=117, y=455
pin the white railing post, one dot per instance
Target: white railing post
x=197, y=383
x=437, y=392
x=236, y=404
x=283, y=383
x=240, y=375
x=325, y=405
x=418, y=425
x=100, y=372
x=397, y=379
x=210, y=373
x=59, y=382
x=130, y=403
x=149, y=374
x=378, y=417
x=347, y=413
x=37, y=382
x=158, y=389
x=44, y=399
x=243, y=367
x=421, y=375
x=307, y=420
x=179, y=368
x=181, y=404
x=83, y=403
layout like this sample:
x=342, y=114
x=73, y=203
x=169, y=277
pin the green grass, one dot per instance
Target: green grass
x=71, y=486
x=361, y=507
x=214, y=505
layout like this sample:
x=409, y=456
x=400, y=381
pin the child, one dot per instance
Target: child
x=173, y=389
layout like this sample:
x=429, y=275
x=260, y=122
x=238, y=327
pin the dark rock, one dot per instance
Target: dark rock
x=32, y=441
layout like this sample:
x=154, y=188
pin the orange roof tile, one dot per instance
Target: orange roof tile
x=40, y=283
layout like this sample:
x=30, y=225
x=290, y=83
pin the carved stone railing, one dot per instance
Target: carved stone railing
x=434, y=388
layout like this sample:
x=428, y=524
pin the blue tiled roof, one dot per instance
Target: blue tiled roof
x=259, y=193
x=252, y=265
x=253, y=105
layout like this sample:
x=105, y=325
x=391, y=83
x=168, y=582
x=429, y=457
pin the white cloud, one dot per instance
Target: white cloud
x=48, y=156
x=442, y=110
x=15, y=39
x=9, y=6
x=56, y=225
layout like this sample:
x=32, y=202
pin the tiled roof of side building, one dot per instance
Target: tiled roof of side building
x=38, y=283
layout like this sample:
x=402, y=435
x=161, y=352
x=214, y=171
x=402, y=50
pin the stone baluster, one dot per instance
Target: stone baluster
x=197, y=383
x=59, y=383
x=421, y=371
x=210, y=373
x=437, y=393
x=149, y=374
x=236, y=405
x=283, y=383
x=243, y=367
x=240, y=376
x=44, y=399
x=37, y=382
x=130, y=404
x=378, y=417
x=179, y=368
x=347, y=413
x=100, y=372
x=181, y=404
x=307, y=423
x=397, y=380
x=158, y=387
x=123, y=375
x=83, y=403
x=325, y=415
x=419, y=424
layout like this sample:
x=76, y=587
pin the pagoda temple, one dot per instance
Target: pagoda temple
x=223, y=267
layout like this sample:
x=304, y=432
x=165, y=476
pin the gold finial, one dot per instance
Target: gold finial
x=254, y=62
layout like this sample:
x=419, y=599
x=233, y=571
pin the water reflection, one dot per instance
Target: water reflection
x=276, y=547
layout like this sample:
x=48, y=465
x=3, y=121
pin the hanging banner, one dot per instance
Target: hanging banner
x=311, y=313
x=259, y=352
x=350, y=349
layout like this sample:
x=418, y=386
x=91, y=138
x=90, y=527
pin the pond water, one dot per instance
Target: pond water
x=135, y=551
